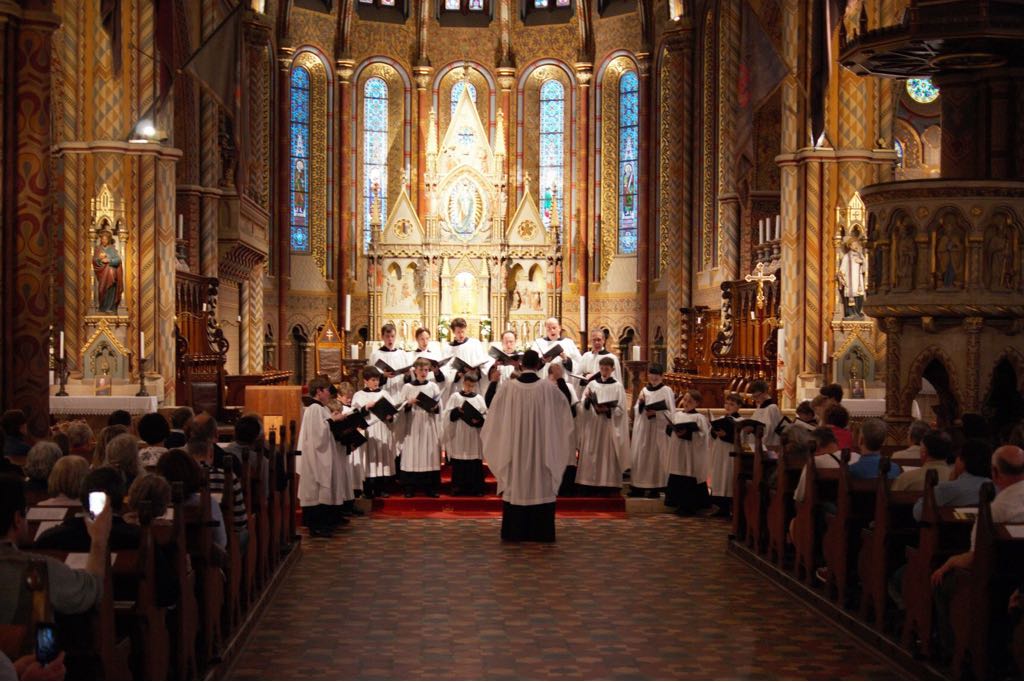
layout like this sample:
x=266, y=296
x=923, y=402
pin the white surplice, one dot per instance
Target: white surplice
x=590, y=364
x=572, y=353
x=526, y=435
x=689, y=457
x=604, y=442
x=721, y=465
x=472, y=352
x=649, y=445
x=419, y=430
x=767, y=413
x=325, y=475
x=377, y=454
x=396, y=359
x=460, y=440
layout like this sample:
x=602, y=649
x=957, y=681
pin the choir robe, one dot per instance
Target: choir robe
x=604, y=443
x=419, y=434
x=396, y=358
x=526, y=435
x=688, y=464
x=377, y=454
x=769, y=414
x=650, y=444
x=325, y=474
x=721, y=464
x=590, y=364
x=463, y=445
x=568, y=487
x=572, y=353
x=355, y=460
x=472, y=352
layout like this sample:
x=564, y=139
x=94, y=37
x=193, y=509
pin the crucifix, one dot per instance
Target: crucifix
x=760, y=278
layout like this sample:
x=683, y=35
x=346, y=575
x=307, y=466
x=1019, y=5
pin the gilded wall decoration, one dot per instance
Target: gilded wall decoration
x=608, y=155
x=319, y=84
x=312, y=28
x=707, y=202
x=556, y=41
x=258, y=68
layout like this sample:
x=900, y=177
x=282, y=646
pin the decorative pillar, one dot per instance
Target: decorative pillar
x=643, y=265
x=507, y=81
x=251, y=309
x=422, y=74
x=342, y=276
x=283, y=243
x=157, y=314
x=893, y=327
x=972, y=395
x=584, y=73
x=728, y=210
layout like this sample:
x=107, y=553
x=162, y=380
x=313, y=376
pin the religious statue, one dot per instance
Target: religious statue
x=949, y=254
x=999, y=254
x=106, y=263
x=462, y=208
x=852, y=277
x=299, y=188
x=906, y=255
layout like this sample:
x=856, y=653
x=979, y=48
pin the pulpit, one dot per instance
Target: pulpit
x=276, y=406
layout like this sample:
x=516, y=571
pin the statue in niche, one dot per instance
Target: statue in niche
x=109, y=270
x=462, y=208
x=391, y=285
x=852, y=278
x=949, y=254
x=999, y=252
x=906, y=254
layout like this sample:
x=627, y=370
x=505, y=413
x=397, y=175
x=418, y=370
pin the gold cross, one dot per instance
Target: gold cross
x=760, y=278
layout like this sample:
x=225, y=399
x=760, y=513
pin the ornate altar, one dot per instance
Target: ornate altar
x=464, y=258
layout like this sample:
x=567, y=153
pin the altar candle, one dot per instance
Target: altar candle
x=760, y=231
x=181, y=226
x=824, y=352
x=583, y=314
x=778, y=227
x=61, y=354
x=636, y=353
x=142, y=345
x=348, y=312
x=354, y=351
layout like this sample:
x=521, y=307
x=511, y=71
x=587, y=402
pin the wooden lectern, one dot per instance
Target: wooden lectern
x=276, y=405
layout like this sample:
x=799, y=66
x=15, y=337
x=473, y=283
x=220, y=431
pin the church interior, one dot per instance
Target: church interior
x=782, y=205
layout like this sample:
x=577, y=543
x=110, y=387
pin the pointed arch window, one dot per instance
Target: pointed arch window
x=629, y=172
x=464, y=12
x=552, y=150
x=299, y=162
x=375, y=151
x=457, y=89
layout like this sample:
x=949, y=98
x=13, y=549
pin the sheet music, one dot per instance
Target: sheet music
x=46, y=514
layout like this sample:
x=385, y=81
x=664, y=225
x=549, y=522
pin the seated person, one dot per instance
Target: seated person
x=872, y=437
x=826, y=456
x=202, y=452
x=65, y=482
x=120, y=418
x=80, y=439
x=936, y=453
x=177, y=467
x=107, y=434
x=838, y=419
x=15, y=425
x=153, y=430
x=971, y=469
x=179, y=419
x=916, y=432
x=38, y=465
x=249, y=436
x=123, y=455
x=151, y=488
x=70, y=590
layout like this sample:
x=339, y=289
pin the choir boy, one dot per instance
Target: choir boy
x=420, y=433
x=604, y=446
x=464, y=350
x=395, y=358
x=325, y=476
x=767, y=413
x=377, y=454
x=463, y=419
x=688, y=457
x=556, y=375
x=588, y=364
x=656, y=402
x=721, y=446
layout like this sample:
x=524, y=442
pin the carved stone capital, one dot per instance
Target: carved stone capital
x=506, y=77
x=422, y=75
x=892, y=325
x=974, y=325
x=584, y=72
x=643, y=63
x=345, y=69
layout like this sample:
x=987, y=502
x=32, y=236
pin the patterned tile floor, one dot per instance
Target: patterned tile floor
x=641, y=597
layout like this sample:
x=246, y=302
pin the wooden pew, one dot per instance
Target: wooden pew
x=209, y=578
x=781, y=505
x=855, y=501
x=891, y=531
x=755, y=488
x=275, y=471
x=291, y=500
x=184, y=619
x=939, y=537
x=258, y=558
x=980, y=593
x=233, y=568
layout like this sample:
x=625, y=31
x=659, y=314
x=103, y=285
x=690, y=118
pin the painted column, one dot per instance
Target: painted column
x=728, y=199
x=283, y=203
x=584, y=73
x=643, y=265
x=422, y=74
x=344, y=179
x=506, y=82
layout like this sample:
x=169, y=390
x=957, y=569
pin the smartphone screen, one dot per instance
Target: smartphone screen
x=97, y=503
x=47, y=648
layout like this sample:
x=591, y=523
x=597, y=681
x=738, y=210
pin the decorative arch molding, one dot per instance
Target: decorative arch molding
x=399, y=84
x=606, y=152
x=479, y=74
x=913, y=155
x=916, y=372
x=321, y=118
x=1016, y=360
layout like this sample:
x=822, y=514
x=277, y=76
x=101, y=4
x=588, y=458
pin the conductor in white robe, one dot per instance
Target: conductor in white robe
x=526, y=435
x=570, y=356
x=325, y=473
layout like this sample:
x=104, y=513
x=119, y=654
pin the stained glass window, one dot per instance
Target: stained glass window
x=540, y=3
x=898, y=146
x=552, y=157
x=476, y=5
x=457, y=92
x=451, y=5
x=562, y=3
x=299, y=161
x=922, y=90
x=629, y=138
x=375, y=151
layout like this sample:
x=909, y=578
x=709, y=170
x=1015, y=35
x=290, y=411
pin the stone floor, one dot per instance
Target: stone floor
x=651, y=596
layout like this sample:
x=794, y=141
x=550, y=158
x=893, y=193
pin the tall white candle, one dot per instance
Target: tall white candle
x=778, y=227
x=181, y=226
x=61, y=354
x=760, y=231
x=348, y=312
x=583, y=314
x=636, y=353
x=142, y=344
x=354, y=351
x=824, y=352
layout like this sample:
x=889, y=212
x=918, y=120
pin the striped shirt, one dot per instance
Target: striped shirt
x=216, y=477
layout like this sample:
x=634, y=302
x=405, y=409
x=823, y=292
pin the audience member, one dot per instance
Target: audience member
x=820, y=405
x=826, y=456
x=123, y=455
x=107, y=434
x=872, y=437
x=914, y=434
x=38, y=465
x=71, y=535
x=80, y=439
x=834, y=392
x=28, y=667
x=179, y=419
x=120, y=418
x=153, y=430
x=936, y=453
x=971, y=469
x=248, y=438
x=15, y=426
x=202, y=452
x=837, y=418
x=975, y=426
x=151, y=488
x=65, y=482
x=177, y=467
x=61, y=439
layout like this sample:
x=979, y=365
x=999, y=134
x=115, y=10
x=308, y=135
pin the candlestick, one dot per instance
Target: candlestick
x=636, y=354
x=61, y=354
x=824, y=352
x=142, y=377
x=348, y=312
x=760, y=231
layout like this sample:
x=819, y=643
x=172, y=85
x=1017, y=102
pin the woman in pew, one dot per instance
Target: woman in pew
x=107, y=434
x=151, y=488
x=123, y=455
x=176, y=466
x=39, y=465
x=65, y=482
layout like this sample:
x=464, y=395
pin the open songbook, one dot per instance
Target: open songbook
x=659, y=406
x=346, y=430
x=606, y=399
x=684, y=429
x=461, y=366
x=383, y=408
x=434, y=358
x=471, y=415
x=503, y=357
x=727, y=425
x=425, y=402
x=385, y=367
x=553, y=352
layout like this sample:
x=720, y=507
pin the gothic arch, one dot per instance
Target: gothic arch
x=481, y=78
x=1016, y=360
x=916, y=372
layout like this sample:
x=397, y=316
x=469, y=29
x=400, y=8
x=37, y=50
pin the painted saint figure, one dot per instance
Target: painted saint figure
x=106, y=263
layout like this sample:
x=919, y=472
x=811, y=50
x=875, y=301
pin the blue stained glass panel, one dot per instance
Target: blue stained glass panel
x=540, y=3
x=299, y=160
x=457, y=92
x=922, y=90
x=629, y=130
x=375, y=151
x=552, y=150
